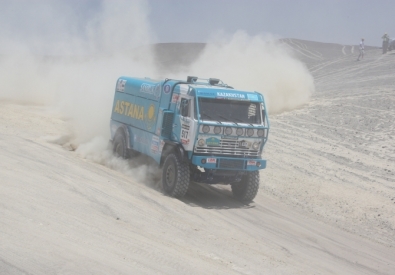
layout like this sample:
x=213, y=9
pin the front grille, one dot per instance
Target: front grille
x=231, y=164
x=228, y=147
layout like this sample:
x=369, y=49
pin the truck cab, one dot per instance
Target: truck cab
x=198, y=130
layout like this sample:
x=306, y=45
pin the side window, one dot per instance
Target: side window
x=184, y=107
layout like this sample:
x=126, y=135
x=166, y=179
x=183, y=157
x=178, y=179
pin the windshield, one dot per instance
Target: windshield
x=229, y=110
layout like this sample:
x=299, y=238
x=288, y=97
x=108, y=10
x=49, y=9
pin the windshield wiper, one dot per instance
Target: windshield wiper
x=243, y=121
x=204, y=114
x=227, y=119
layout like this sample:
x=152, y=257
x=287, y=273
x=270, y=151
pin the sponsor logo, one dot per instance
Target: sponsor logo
x=175, y=98
x=252, y=97
x=251, y=162
x=121, y=85
x=232, y=95
x=151, y=112
x=204, y=93
x=150, y=117
x=129, y=109
x=185, y=141
x=211, y=160
x=213, y=141
x=150, y=89
x=155, y=139
x=166, y=89
x=154, y=149
x=136, y=112
x=155, y=144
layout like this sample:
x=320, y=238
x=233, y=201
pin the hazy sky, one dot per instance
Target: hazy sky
x=336, y=21
x=61, y=22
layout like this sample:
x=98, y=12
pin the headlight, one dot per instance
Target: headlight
x=228, y=131
x=250, y=132
x=239, y=131
x=206, y=129
x=260, y=133
x=217, y=130
x=255, y=145
x=201, y=142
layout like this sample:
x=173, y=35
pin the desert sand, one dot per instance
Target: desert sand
x=326, y=203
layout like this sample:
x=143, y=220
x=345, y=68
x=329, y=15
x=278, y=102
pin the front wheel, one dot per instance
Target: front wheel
x=247, y=189
x=175, y=176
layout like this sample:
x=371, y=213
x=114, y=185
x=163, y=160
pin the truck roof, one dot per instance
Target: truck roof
x=210, y=88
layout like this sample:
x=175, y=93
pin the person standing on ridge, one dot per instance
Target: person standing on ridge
x=386, y=39
x=361, y=49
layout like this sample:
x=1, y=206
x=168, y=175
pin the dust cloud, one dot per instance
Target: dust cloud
x=53, y=55
x=56, y=57
x=140, y=168
x=68, y=56
x=258, y=63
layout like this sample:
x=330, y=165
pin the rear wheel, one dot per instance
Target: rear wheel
x=247, y=189
x=119, y=146
x=175, y=176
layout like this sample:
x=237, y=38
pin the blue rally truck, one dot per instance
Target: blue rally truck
x=199, y=130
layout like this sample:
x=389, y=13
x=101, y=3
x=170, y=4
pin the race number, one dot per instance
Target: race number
x=184, y=134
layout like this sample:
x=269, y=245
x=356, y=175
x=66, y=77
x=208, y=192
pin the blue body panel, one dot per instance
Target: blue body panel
x=137, y=105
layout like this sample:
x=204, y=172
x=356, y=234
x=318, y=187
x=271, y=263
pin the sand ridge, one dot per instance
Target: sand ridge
x=325, y=206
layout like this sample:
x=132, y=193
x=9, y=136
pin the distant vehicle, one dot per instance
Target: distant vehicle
x=200, y=130
x=391, y=44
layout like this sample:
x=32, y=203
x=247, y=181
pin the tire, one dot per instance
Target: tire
x=119, y=146
x=247, y=189
x=175, y=176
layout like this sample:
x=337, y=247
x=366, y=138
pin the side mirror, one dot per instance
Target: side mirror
x=184, y=108
x=263, y=116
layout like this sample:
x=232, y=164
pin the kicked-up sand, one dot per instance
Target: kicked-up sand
x=326, y=203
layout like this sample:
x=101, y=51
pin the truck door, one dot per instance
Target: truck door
x=187, y=123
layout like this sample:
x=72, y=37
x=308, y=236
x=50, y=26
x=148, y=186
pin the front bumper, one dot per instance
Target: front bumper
x=225, y=163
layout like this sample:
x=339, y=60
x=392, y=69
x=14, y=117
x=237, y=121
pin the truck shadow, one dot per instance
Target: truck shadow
x=199, y=194
x=212, y=197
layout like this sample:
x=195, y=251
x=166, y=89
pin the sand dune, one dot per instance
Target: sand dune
x=326, y=204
